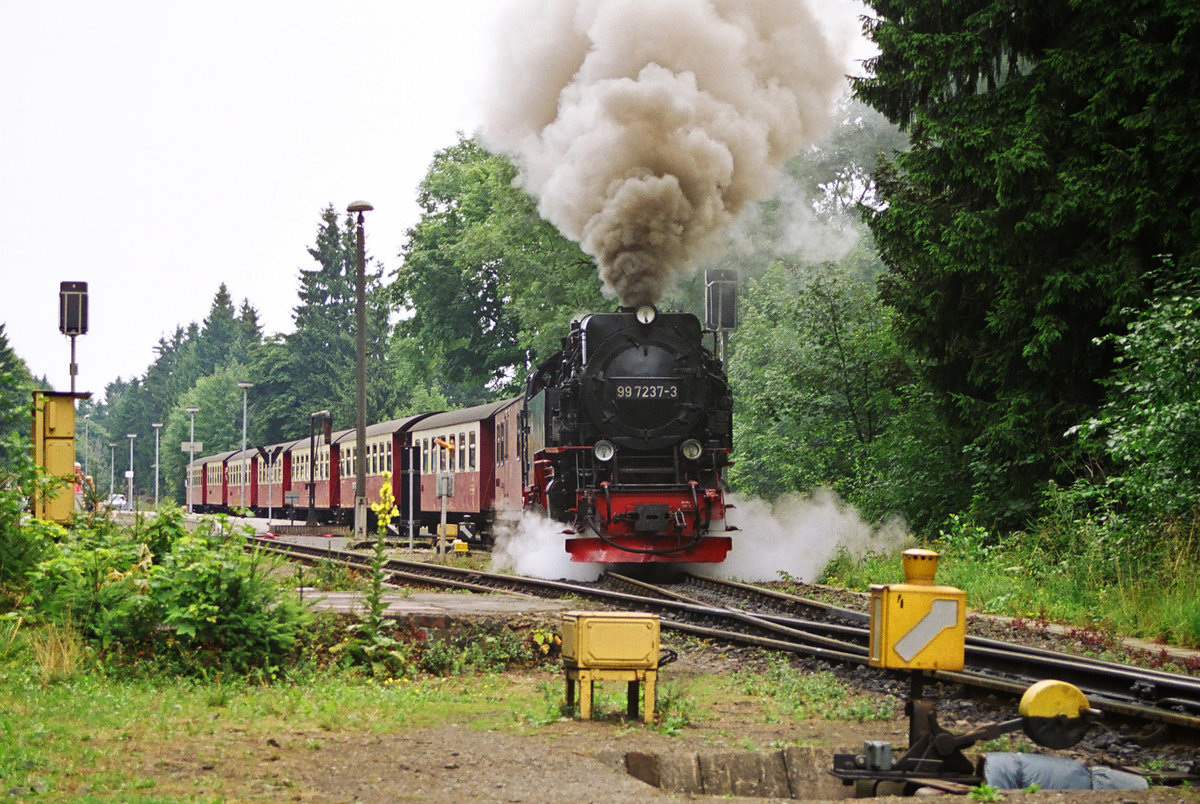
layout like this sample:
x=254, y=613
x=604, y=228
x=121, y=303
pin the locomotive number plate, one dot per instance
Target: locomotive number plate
x=656, y=390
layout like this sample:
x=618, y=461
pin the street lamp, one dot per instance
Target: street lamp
x=129, y=502
x=191, y=454
x=87, y=420
x=360, y=316
x=157, y=426
x=245, y=386
x=112, y=467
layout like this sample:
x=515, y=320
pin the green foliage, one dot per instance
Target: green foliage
x=826, y=397
x=483, y=651
x=313, y=367
x=674, y=709
x=224, y=344
x=490, y=283
x=1053, y=157
x=201, y=605
x=375, y=647
x=813, y=695
x=1150, y=425
x=221, y=606
x=23, y=543
x=984, y=793
x=15, y=386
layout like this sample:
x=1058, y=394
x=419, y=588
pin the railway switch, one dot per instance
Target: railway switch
x=610, y=646
x=920, y=626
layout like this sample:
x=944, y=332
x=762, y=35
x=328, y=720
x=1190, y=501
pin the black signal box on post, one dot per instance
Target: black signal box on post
x=720, y=299
x=72, y=308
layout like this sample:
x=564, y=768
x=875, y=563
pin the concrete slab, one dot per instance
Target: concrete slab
x=440, y=605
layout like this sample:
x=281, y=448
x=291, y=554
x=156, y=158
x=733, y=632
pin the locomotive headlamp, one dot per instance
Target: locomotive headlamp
x=646, y=314
x=604, y=450
x=691, y=449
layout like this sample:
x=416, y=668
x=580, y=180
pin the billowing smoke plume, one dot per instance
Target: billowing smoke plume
x=644, y=126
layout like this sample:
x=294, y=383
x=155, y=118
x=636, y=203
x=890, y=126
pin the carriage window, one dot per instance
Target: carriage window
x=387, y=456
x=423, y=446
x=471, y=453
x=441, y=457
x=462, y=452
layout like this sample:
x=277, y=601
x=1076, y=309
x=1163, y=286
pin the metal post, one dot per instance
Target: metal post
x=112, y=467
x=245, y=386
x=360, y=315
x=129, y=502
x=322, y=416
x=412, y=470
x=87, y=420
x=191, y=454
x=157, y=426
x=74, y=365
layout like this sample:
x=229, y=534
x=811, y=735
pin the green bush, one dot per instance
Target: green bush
x=1150, y=425
x=200, y=605
x=221, y=608
x=23, y=542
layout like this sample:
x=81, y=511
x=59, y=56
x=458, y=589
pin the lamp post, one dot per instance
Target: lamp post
x=129, y=502
x=191, y=454
x=157, y=426
x=245, y=386
x=360, y=315
x=112, y=467
x=87, y=420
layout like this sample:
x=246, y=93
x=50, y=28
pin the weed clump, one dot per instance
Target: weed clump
x=196, y=604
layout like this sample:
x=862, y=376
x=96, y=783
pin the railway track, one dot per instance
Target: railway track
x=748, y=615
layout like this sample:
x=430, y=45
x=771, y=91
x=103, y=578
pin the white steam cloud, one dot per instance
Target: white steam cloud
x=645, y=126
x=798, y=535
x=534, y=546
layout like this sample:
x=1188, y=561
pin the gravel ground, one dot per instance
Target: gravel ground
x=568, y=760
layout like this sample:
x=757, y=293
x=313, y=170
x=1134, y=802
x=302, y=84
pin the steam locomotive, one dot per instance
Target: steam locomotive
x=627, y=430
x=622, y=436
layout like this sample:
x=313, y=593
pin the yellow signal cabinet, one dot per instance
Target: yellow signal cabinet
x=54, y=451
x=610, y=640
x=916, y=625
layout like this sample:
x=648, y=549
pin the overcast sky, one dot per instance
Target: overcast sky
x=156, y=149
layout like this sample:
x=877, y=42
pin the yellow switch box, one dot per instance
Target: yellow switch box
x=917, y=625
x=610, y=639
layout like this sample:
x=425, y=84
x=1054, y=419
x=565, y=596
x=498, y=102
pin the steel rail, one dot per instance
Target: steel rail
x=992, y=665
x=1119, y=688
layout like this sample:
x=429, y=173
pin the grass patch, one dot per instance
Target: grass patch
x=804, y=696
x=90, y=735
x=1095, y=577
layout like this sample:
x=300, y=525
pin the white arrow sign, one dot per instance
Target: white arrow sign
x=942, y=614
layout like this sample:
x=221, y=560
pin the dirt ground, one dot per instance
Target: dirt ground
x=568, y=760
